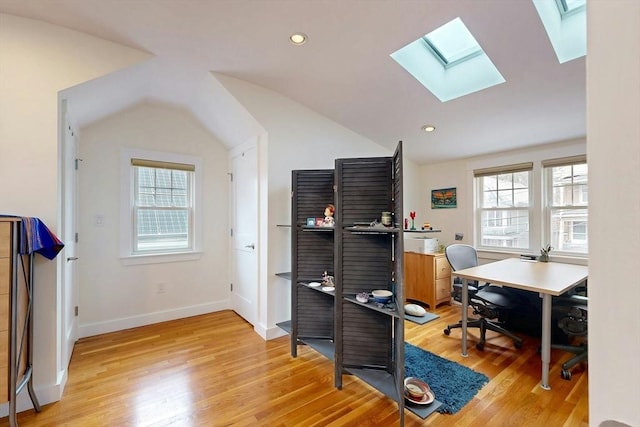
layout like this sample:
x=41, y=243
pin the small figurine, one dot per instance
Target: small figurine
x=328, y=216
x=327, y=280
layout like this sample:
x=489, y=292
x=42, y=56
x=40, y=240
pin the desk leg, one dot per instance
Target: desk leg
x=465, y=315
x=546, y=340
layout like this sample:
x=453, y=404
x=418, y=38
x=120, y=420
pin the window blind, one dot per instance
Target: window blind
x=163, y=165
x=565, y=161
x=497, y=170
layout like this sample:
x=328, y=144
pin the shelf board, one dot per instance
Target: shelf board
x=317, y=288
x=423, y=411
x=372, y=305
x=314, y=228
x=285, y=326
x=379, y=379
x=422, y=231
x=324, y=346
x=284, y=275
x=372, y=230
x=384, y=382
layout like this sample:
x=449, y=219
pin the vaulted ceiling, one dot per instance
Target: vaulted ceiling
x=344, y=71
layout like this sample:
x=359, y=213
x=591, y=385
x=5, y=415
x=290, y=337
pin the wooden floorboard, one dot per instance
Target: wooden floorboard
x=214, y=370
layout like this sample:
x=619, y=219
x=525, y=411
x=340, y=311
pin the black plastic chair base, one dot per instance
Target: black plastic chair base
x=485, y=325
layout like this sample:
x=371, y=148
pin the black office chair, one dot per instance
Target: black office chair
x=489, y=302
x=572, y=313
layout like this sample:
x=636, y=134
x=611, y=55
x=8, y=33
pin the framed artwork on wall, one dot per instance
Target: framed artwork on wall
x=444, y=198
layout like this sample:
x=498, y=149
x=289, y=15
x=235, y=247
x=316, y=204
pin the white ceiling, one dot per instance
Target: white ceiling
x=344, y=71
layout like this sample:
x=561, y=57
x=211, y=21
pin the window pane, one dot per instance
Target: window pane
x=180, y=179
x=521, y=180
x=489, y=183
x=180, y=200
x=505, y=228
x=505, y=181
x=489, y=199
x=162, y=229
x=163, y=178
x=580, y=195
x=521, y=198
x=569, y=230
x=561, y=175
x=505, y=198
x=580, y=173
x=559, y=196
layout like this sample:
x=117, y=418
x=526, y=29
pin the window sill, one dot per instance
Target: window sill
x=499, y=255
x=160, y=258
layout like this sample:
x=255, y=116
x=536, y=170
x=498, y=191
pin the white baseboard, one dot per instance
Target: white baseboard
x=45, y=395
x=269, y=333
x=98, y=328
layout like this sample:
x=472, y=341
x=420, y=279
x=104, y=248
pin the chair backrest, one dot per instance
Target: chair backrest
x=461, y=256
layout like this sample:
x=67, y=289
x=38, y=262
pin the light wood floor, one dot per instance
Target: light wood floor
x=213, y=370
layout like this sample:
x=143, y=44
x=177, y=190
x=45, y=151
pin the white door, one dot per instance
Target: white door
x=68, y=235
x=244, y=223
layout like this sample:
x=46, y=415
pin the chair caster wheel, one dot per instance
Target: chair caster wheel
x=447, y=332
x=566, y=375
x=480, y=346
x=517, y=344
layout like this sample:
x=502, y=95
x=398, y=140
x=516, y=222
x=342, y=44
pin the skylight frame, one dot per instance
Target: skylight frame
x=567, y=31
x=436, y=41
x=566, y=10
x=448, y=79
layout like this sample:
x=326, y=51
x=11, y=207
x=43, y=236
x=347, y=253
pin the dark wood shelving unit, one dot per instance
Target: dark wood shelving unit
x=369, y=340
x=363, y=339
x=312, y=318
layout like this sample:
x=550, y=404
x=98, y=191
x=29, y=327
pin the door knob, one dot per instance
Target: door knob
x=72, y=258
x=251, y=246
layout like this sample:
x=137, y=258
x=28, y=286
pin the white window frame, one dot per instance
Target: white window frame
x=479, y=210
x=549, y=208
x=128, y=255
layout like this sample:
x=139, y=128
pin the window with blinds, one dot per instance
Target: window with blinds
x=162, y=206
x=503, y=207
x=567, y=203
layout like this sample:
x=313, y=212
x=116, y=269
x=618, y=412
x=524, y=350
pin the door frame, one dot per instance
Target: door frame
x=66, y=285
x=251, y=143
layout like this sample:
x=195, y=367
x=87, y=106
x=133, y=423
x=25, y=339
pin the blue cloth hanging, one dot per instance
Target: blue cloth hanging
x=36, y=237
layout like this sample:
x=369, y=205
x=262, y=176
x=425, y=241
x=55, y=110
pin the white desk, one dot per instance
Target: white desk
x=547, y=278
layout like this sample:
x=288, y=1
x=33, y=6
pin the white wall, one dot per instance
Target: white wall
x=114, y=295
x=613, y=150
x=37, y=60
x=459, y=174
x=298, y=138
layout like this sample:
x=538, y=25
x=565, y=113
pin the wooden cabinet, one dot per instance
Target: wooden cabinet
x=427, y=278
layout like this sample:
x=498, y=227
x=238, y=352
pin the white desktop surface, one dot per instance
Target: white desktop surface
x=552, y=278
x=547, y=278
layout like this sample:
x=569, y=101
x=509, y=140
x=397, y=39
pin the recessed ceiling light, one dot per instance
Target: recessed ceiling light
x=428, y=128
x=298, y=39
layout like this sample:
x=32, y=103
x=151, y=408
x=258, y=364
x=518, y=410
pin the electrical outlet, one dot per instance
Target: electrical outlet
x=161, y=288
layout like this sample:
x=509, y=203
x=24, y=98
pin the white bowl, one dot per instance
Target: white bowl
x=381, y=295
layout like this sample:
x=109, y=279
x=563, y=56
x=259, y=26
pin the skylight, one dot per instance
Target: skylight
x=453, y=43
x=449, y=62
x=566, y=24
x=569, y=7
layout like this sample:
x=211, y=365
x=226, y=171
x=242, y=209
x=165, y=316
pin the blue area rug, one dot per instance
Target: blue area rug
x=453, y=384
